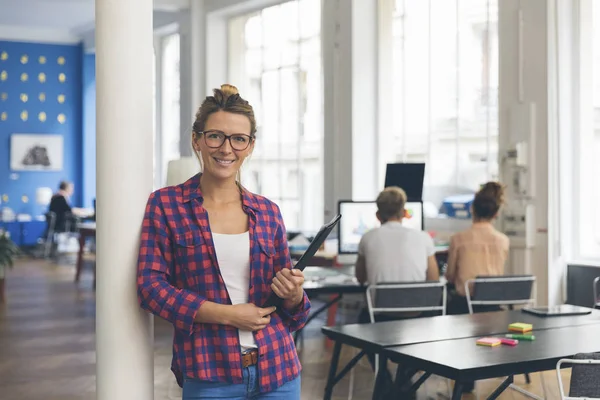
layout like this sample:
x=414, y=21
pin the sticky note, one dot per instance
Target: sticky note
x=489, y=341
x=520, y=327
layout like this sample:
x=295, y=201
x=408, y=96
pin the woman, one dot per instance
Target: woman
x=211, y=254
x=480, y=250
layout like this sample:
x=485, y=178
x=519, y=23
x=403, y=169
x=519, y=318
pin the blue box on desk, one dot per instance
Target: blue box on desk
x=458, y=206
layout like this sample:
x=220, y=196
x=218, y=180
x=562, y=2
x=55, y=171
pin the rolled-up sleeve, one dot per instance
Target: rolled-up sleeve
x=282, y=259
x=155, y=270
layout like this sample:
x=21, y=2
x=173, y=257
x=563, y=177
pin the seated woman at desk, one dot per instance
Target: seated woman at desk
x=480, y=250
x=393, y=252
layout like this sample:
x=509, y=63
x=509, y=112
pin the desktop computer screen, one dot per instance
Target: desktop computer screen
x=358, y=217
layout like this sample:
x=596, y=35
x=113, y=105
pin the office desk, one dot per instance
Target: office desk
x=462, y=360
x=86, y=230
x=376, y=338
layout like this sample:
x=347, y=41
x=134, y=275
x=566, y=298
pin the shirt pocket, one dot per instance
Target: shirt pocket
x=192, y=257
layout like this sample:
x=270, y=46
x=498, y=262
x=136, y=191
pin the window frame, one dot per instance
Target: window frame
x=235, y=66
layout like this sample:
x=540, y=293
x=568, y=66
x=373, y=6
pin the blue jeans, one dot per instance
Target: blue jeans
x=194, y=389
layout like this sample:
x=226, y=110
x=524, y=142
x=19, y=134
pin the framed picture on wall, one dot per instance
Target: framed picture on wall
x=33, y=152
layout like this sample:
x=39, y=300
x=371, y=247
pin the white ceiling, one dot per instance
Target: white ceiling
x=72, y=16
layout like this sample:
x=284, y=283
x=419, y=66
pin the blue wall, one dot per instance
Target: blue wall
x=16, y=184
x=89, y=129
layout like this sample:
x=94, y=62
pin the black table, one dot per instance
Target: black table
x=328, y=280
x=462, y=360
x=374, y=338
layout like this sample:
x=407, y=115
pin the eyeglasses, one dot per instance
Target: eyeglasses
x=215, y=139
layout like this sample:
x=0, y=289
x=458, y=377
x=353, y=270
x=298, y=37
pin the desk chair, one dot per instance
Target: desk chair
x=503, y=291
x=585, y=377
x=500, y=291
x=401, y=297
x=51, y=231
x=597, y=293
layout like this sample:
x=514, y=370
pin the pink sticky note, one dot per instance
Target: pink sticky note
x=489, y=341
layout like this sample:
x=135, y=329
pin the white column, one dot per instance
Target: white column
x=337, y=107
x=124, y=180
x=523, y=80
x=192, y=68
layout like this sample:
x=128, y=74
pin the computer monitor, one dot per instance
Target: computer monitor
x=358, y=217
x=408, y=176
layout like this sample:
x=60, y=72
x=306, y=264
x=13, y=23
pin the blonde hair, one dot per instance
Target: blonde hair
x=228, y=99
x=390, y=203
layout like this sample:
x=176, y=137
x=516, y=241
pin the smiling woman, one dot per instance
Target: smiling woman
x=207, y=275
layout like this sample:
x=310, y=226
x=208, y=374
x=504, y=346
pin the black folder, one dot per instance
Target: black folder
x=316, y=243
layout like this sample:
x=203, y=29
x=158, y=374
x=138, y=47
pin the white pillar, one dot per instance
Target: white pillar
x=523, y=78
x=192, y=69
x=124, y=180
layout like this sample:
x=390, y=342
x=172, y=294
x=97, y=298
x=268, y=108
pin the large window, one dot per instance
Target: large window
x=275, y=61
x=169, y=107
x=596, y=113
x=588, y=190
x=445, y=82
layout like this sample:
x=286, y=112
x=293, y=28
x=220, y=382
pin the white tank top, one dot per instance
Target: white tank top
x=233, y=256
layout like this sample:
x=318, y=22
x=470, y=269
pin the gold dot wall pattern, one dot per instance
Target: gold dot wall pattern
x=42, y=77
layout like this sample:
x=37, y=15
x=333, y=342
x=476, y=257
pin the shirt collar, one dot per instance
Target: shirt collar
x=191, y=190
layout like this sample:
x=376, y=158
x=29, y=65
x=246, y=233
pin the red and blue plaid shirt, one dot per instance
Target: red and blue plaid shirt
x=178, y=271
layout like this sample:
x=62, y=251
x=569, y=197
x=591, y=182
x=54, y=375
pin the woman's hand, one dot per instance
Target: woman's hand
x=249, y=317
x=287, y=284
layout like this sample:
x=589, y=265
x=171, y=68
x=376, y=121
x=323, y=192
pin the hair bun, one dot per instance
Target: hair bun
x=493, y=190
x=229, y=90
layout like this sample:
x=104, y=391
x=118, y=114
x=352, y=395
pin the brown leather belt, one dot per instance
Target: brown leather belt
x=249, y=358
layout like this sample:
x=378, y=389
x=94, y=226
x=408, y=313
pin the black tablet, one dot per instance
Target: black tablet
x=302, y=263
x=558, y=311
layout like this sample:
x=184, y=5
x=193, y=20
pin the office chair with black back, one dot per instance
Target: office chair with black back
x=54, y=226
x=585, y=377
x=497, y=291
x=402, y=299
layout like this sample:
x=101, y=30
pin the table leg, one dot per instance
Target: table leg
x=335, y=358
x=82, y=238
x=380, y=379
x=457, y=392
x=331, y=316
x=507, y=382
x=298, y=334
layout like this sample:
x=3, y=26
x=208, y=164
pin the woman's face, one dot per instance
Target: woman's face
x=223, y=162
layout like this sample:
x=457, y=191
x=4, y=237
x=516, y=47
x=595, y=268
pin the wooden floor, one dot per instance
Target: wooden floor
x=47, y=348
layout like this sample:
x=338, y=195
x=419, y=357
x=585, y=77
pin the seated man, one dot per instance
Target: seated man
x=59, y=205
x=393, y=252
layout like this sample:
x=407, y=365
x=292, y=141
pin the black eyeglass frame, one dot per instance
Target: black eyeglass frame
x=227, y=137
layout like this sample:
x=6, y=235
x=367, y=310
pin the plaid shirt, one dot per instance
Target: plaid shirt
x=178, y=271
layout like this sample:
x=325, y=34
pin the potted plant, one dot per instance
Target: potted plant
x=8, y=252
